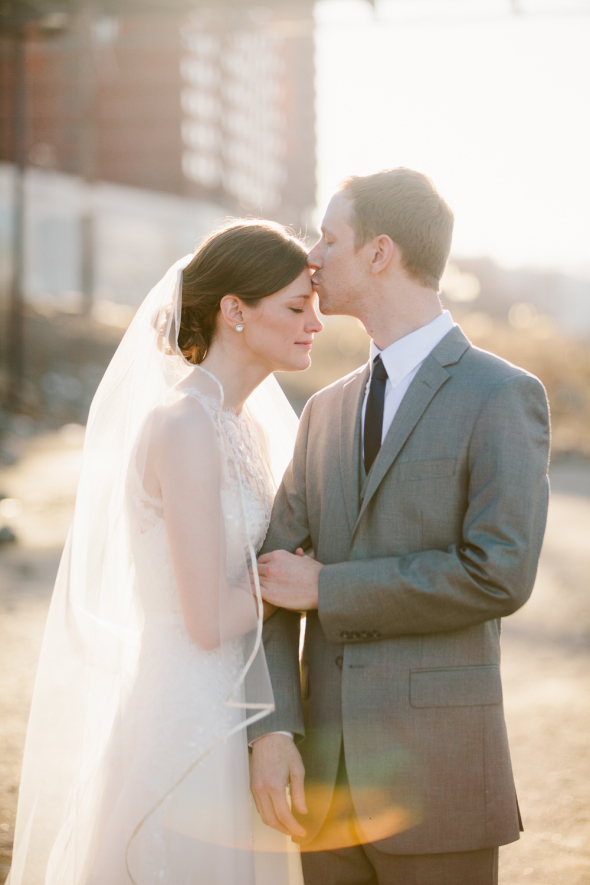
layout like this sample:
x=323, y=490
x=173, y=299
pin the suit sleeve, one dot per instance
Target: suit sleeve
x=491, y=573
x=289, y=529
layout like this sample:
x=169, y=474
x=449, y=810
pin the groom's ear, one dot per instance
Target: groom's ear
x=382, y=253
x=230, y=307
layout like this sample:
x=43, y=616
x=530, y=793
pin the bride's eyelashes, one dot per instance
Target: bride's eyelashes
x=296, y=309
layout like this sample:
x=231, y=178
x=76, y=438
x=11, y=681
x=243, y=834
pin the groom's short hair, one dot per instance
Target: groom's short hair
x=406, y=206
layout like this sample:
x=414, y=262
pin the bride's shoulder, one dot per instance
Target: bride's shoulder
x=183, y=420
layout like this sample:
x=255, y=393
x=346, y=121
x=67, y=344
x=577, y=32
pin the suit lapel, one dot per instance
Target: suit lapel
x=422, y=390
x=350, y=439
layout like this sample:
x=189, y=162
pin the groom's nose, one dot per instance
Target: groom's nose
x=314, y=257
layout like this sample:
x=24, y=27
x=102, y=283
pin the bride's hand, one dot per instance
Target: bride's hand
x=289, y=580
x=269, y=608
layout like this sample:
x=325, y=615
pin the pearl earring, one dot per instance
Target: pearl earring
x=240, y=327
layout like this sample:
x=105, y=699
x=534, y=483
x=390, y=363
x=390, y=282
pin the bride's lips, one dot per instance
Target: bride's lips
x=304, y=343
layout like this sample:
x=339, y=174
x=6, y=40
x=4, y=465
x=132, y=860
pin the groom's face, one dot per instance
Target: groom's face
x=338, y=268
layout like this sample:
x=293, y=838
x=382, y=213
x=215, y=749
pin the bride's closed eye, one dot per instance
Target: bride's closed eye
x=296, y=309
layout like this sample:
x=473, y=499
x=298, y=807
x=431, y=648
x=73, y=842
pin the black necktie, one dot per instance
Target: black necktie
x=374, y=412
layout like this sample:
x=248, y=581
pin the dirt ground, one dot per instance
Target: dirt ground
x=546, y=658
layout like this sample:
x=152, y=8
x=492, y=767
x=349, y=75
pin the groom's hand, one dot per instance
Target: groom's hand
x=275, y=763
x=289, y=580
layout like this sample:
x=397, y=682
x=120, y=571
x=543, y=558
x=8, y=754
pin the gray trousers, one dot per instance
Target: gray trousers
x=366, y=865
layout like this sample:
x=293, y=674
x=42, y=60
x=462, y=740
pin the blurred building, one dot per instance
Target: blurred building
x=215, y=105
x=124, y=139
x=247, y=101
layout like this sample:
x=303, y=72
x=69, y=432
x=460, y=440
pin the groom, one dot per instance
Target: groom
x=420, y=483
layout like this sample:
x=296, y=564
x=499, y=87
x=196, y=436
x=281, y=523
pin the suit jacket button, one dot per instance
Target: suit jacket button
x=339, y=662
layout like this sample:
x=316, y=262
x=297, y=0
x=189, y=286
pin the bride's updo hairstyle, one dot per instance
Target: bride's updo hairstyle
x=249, y=259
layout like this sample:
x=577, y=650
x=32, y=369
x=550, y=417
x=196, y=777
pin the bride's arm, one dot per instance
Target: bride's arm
x=269, y=609
x=187, y=463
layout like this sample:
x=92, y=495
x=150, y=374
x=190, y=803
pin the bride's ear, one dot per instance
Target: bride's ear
x=231, y=308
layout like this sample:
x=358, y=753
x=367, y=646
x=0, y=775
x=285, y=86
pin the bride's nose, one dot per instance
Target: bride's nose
x=315, y=324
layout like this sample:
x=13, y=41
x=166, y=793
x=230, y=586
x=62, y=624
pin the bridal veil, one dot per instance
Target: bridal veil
x=85, y=732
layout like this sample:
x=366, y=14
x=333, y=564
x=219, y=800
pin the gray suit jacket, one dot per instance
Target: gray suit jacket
x=422, y=558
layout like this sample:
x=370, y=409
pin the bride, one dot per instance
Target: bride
x=136, y=762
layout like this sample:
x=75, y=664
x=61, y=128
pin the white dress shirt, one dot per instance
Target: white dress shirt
x=402, y=360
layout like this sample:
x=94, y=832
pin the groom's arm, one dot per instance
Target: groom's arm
x=491, y=573
x=289, y=529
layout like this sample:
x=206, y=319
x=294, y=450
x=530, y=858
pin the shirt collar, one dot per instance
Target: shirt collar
x=406, y=354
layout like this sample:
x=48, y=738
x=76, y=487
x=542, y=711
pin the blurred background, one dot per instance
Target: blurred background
x=130, y=128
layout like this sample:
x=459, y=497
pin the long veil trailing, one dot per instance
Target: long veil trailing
x=113, y=757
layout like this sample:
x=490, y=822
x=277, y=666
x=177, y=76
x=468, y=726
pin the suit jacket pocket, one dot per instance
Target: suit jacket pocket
x=412, y=471
x=455, y=686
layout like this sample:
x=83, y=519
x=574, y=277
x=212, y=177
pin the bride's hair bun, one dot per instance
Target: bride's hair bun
x=250, y=259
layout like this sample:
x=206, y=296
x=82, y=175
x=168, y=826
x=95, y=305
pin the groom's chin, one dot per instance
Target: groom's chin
x=327, y=307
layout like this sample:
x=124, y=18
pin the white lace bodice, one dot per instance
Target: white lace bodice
x=249, y=468
x=249, y=493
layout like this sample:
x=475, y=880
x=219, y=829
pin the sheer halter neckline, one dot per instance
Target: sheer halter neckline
x=221, y=407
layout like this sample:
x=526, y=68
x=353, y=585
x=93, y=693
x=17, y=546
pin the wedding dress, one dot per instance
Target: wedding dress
x=136, y=763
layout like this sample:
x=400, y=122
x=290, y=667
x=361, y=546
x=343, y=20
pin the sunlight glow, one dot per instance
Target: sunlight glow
x=493, y=107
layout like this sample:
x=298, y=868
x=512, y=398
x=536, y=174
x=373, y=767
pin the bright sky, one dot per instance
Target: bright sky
x=494, y=107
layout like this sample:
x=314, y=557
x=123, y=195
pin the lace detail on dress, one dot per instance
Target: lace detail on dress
x=249, y=464
x=149, y=509
x=249, y=487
